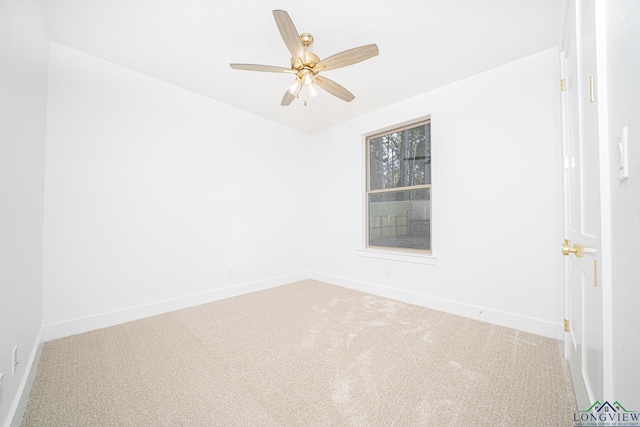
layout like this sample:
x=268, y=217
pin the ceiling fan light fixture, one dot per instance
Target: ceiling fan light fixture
x=307, y=77
x=309, y=83
x=312, y=92
x=295, y=87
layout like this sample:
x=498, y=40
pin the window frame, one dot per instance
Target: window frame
x=368, y=192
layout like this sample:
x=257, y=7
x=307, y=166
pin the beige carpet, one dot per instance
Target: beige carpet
x=304, y=354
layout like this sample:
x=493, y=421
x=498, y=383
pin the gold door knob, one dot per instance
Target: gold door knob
x=575, y=249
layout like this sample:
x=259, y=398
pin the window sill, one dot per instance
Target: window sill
x=398, y=256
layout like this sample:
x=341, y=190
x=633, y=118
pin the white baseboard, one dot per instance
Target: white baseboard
x=103, y=320
x=526, y=324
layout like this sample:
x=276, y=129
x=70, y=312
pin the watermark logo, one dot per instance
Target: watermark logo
x=606, y=414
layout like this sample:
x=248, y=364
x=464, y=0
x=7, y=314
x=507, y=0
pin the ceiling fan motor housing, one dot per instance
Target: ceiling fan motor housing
x=310, y=60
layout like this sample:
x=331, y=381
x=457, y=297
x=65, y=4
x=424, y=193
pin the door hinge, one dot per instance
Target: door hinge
x=568, y=163
x=592, y=95
x=566, y=325
x=563, y=85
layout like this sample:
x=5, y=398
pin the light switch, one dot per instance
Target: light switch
x=621, y=151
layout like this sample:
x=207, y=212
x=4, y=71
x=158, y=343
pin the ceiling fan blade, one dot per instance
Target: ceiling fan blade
x=287, y=98
x=347, y=57
x=289, y=33
x=334, y=88
x=267, y=68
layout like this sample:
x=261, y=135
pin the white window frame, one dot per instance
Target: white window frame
x=421, y=256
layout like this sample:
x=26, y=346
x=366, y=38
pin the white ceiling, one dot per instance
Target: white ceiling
x=424, y=44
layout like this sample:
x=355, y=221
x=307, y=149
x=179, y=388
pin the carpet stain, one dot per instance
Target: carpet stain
x=427, y=337
x=334, y=301
x=374, y=323
x=341, y=389
x=410, y=331
x=350, y=338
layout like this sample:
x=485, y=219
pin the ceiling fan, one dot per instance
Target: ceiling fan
x=306, y=65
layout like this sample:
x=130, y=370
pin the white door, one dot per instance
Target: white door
x=583, y=290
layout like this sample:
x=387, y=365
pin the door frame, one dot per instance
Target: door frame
x=606, y=180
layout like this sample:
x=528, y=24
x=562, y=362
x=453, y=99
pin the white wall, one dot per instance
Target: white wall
x=623, y=69
x=497, y=199
x=23, y=97
x=158, y=198
x=155, y=193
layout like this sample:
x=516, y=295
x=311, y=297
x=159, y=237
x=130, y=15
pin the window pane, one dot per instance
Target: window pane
x=400, y=159
x=400, y=219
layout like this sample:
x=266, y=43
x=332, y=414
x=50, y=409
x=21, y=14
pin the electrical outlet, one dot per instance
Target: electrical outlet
x=14, y=367
x=623, y=157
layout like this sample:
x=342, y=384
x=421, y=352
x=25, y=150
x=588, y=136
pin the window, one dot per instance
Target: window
x=398, y=205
